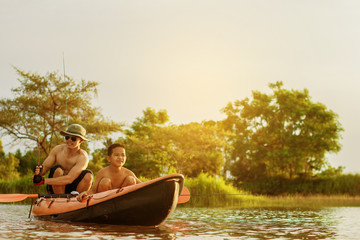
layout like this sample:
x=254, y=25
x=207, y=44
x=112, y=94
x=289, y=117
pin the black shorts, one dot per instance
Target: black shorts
x=70, y=187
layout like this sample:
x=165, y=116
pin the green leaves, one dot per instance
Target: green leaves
x=155, y=147
x=280, y=134
x=8, y=165
x=42, y=105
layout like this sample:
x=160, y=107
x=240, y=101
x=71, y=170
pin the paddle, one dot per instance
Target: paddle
x=184, y=196
x=16, y=197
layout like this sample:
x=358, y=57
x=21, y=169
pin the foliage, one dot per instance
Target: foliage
x=28, y=161
x=99, y=157
x=332, y=172
x=343, y=184
x=282, y=134
x=146, y=144
x=210, y=191
x=155, y=147
x=44, y=105
x=8, y=165
x=197, y=148
x=21, y=185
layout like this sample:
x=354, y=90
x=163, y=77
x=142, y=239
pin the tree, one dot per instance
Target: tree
x=44, y=105
x=27, y=161
x=147, y=145
x=99, y=156
x=280, y=134
x=155, y=147
x=8, y=165
x=198, y=148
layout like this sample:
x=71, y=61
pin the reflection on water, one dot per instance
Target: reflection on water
x=196, y=223
x=260, y=223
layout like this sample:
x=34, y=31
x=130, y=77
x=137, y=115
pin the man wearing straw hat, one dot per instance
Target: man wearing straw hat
x=67, y=164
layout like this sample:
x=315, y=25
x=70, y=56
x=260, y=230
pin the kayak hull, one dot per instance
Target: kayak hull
x=146, y=204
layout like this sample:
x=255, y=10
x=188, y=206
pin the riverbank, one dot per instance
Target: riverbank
x=208, y=191
x=285, y=201
x=301, y=201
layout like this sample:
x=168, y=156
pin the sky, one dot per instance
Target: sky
x=191, y=57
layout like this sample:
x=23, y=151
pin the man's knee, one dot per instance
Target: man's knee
x=88, y=178
x=85, y=183
x=58, y=172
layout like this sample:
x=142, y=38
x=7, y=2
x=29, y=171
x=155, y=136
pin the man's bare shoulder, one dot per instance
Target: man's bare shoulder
x=58, y=148
x=83, y=153
x=82, y=157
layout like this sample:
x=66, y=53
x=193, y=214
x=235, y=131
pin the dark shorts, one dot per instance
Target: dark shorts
x=70, y=187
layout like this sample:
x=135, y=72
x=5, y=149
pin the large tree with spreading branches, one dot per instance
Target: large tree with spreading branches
x=45, y=104
x=280, y=134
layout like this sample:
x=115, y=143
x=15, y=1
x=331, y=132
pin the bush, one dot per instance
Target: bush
x=208, y=191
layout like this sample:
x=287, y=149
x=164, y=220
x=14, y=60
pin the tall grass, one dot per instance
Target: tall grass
x=348, y=184
x=21, y=185
x=208, y=191
x=310, y=201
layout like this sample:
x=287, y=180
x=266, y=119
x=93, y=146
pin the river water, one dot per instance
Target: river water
x=197, y=223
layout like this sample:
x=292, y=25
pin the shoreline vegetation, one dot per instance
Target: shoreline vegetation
x=207, y=191
x=214, y=192
x=272, y=145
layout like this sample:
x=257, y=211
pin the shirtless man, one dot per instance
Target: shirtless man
x=114, y=175
x=67, y=164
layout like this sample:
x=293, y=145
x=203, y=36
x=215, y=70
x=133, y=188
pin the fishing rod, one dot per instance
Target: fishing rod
x=22, y=197
x=66, y=91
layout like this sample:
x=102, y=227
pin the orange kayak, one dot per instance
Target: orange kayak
x=147, y=204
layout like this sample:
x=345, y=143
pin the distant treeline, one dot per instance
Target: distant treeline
x=348, y=184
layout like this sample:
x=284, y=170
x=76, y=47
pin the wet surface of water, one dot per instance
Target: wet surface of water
x=196, y=223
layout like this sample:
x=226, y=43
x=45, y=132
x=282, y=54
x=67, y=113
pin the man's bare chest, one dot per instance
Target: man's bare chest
x=65, y=160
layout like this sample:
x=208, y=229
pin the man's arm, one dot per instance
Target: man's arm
x=48, y=162
x=75, y=171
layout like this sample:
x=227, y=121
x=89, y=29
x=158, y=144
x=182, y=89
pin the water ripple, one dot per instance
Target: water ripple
x=196, y=223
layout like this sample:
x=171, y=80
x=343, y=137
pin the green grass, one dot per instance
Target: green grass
x=207, y=191
x=310, y=201
x=21, y=185
x=347, y=184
